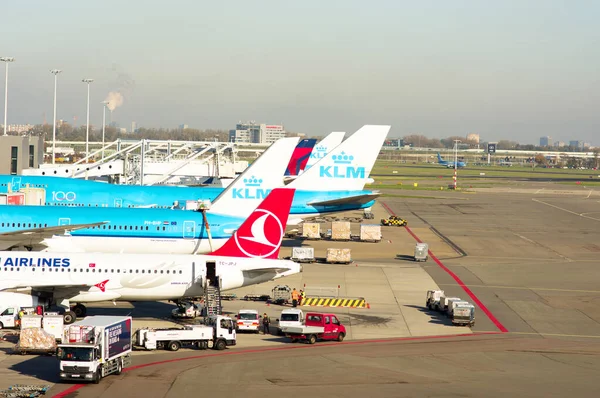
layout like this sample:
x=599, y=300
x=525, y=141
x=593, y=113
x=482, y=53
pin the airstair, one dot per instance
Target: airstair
x=212, y=300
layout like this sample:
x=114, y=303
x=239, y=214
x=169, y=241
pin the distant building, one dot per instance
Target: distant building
x=394, y=143
x=546, y=141
x=17, y=128
x=134, y=127
x=251, y=132
x=183, y=126
x=473, y=137
x=20, y=152
x=576, y=144
x=587, y=145
x=559, y=144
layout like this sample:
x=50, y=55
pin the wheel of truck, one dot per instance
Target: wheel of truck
x=80, y=311
x=341, y=337
x=220, y=345
x=97, y=377
x=1, y=325
x=119, y=367
x=173, y=346
x=312, y=339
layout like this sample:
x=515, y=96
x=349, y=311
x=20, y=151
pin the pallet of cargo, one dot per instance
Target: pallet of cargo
x=257, y=297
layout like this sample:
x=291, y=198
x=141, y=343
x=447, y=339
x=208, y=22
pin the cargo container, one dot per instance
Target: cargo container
x=303, y=254
x=339, y=256
x=54, y=325
x=311, y=230
x=433, y=299
x=421, y=252
x=464, y=314
x=31, y=321
x=443, y=303
x=95, y=347
x=452, y=304
x=340, y=230
x=370, y=232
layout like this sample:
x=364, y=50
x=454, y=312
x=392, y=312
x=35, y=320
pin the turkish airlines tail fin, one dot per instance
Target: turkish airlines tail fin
x=260, y=236
x=347, y=166
x=300, y=157
x=324, y=147
x=245, y=193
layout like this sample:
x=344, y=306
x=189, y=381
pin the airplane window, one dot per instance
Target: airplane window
x=18, y=224
x=18, y=269
x=163, y=228
x=143, y=271
x=43, y=269
x=45, y=225
x=168, y=271
x=131, y=271
x=87, y=270
x=13, y=224
x=146, y=228
x=136, y=271
x=120, y=227
x=94, y=270
x=161, y=271
x=180, y=271
x=157, y=228
x=29, y=225
x=155, y=271
x=63, y=270
x=118, y=271
x=136, y=227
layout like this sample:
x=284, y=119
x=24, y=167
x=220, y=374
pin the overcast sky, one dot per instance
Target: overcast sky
x=506, y=69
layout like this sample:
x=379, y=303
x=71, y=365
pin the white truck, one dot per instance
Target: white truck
x=464, y=314
x=219, y=330
x=12, y=303
x=452, y=304
x=95, y=347
x=433, y=299
x=291, y=317
x=248, y=320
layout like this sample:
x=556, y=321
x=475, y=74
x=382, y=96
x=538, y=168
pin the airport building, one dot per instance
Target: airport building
x=253, y=133
x=20, y=152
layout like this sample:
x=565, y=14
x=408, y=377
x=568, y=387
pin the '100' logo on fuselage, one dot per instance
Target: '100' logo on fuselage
x=35, y=262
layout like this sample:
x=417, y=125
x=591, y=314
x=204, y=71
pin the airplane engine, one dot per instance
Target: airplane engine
x=232, y=279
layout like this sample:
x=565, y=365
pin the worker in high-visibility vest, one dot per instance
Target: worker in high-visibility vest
x=295, y=296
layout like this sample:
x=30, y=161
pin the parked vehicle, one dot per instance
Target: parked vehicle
x=316, y=327
x=12, y=303
x=464, y=314
x=290, y=317
x=248, y=320
x=218, y=331
x=186, y=310
x=281, y=294
x=94, y=348
x=421, y=252
x=433, y=299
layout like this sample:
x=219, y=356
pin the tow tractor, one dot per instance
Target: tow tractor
x=218, y=330
x=393, y=221
x=186, y=309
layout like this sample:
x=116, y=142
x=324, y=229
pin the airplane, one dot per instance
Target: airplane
x=249, y=257
x=81, y=229
x=74, y=192
x=122, y=230
x=450, y=164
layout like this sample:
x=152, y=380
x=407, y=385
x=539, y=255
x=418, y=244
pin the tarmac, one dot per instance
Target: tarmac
x=530, y=258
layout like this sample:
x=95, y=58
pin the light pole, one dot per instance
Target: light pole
x=55, y=72
x=455, y=160
x=104, y=104
x=87, y=125
x=7, y=60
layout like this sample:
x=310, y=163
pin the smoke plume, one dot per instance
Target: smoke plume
x=114, y=100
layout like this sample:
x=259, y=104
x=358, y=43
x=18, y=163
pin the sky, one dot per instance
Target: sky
x=514, y=70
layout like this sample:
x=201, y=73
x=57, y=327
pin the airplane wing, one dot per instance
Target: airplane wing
x=261, y=271
x=35, y=236
x=45, y=286
x=355, y=200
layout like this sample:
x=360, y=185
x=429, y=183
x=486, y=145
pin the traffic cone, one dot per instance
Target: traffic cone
x=368, y=306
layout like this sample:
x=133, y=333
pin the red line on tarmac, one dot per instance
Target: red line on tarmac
x=76, y=387
x=486, y=311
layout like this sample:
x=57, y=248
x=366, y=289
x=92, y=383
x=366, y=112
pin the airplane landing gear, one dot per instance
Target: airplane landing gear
x=80, y=310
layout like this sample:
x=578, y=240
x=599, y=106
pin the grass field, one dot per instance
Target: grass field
x=403, y=176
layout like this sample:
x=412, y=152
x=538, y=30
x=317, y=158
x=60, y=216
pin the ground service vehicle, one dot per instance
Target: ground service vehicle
x=443, y=304
x=290, y=317
x=248, y=320
x=95, y=347
x=433, y=299
x=464, y=314
x=393, y=220
x=452, y=304
x=12, y=303
x=316, y=326
x=281, y=294
x=219, y=331
x=421, y=252
x=186, y=310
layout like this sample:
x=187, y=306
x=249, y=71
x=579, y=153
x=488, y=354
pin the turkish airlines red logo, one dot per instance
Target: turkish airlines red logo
x=263, y=236
x=102, y=285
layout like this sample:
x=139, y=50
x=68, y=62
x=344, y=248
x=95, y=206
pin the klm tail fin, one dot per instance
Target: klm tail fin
x=347, y=166
x=300, y=157
x=246, y=192
x=324, y=147
x=440, y=158
x=260, y=236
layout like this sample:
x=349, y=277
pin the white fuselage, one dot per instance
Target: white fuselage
x=93, y=277
x=91, y=244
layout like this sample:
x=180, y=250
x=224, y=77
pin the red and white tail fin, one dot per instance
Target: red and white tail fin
x=260, y=236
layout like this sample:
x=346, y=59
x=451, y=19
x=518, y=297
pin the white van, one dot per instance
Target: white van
x=248, y=320
x=290, y=317
x=12, y=303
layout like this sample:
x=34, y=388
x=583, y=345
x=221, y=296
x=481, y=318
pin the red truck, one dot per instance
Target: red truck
x=316, y=326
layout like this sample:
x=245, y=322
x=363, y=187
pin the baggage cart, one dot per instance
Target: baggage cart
x=421, y=252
